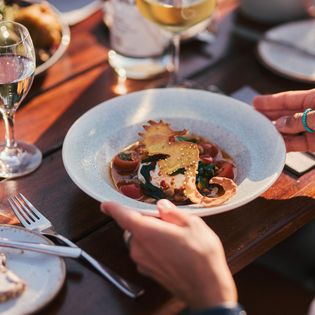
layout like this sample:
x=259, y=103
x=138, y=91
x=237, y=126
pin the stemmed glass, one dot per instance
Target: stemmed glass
x=17, y=66
x=176, y=16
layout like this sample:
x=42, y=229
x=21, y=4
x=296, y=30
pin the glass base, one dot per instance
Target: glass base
x=20, y=160
x=139, y=68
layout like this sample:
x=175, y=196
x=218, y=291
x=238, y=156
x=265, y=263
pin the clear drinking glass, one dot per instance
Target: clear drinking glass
x=176, y=16
x=17, y=66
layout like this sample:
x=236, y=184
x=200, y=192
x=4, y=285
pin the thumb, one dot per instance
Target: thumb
x=293, y=124
x=170, y=213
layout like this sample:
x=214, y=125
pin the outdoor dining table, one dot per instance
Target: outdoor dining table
x=80, y=80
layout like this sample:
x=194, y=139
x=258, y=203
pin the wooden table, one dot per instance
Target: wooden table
x=81, y=80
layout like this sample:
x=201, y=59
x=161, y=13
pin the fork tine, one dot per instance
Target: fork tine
x=35, y=211
x=17, y=213
x=27, y=213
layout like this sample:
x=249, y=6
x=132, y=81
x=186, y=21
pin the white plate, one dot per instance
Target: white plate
x=289, y=62
x=44, y=274
x=56, y=54
x=94, y=139
x=75, y=11
x=63, y=46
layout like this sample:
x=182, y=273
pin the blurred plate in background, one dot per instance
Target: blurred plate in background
x=61, y=49
x=49, y=31
x=75, y=11
x=43, y=274
x=289, y=62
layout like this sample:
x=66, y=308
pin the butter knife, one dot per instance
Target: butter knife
x=62, y=251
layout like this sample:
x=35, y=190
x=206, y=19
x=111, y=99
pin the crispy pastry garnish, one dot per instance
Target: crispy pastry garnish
x=159, y=138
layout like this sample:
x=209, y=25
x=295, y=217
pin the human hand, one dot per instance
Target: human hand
x=286, y=109
x=180, y=252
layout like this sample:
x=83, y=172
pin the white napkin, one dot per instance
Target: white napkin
x=297, y=162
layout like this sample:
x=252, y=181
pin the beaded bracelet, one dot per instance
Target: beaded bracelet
x=304, y=120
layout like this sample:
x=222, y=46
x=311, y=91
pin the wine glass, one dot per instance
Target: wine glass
x=17, y=66
x=176, y=16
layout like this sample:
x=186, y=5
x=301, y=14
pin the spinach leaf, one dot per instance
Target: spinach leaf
x=154, y=158
x=148, y=188
x=205, y=173
x=125, y=156
x=181, y=138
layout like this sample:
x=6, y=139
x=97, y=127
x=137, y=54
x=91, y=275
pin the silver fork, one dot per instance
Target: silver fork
x=33, y=220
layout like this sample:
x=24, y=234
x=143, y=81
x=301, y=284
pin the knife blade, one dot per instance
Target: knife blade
x=62, y=251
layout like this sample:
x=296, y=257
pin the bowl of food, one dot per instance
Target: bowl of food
x=180, y=166
x=50, y=34
x=205, y=152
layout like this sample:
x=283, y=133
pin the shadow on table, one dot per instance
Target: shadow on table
x=295, y=257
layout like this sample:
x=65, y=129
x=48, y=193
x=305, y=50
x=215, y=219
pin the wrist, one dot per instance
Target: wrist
x=223, y=294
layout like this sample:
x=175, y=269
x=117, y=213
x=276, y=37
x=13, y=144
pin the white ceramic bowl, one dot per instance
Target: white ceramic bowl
x=95, y=138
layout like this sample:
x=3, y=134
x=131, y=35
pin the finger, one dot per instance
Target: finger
x=292, y=100
x=125, y=217
x=301, y=143
x=275, y=114
x=170, y=213
x=293, y=124
x=141, y=226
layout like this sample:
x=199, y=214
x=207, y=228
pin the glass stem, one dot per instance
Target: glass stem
x=175, y=60
x=8, y=118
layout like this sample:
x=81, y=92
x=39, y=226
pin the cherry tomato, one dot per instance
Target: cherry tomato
x=132, y=190
x=225, y=169
x=209, y=149
x=125, y=165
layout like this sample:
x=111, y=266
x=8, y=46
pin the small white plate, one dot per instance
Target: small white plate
x=253, y=142
x=61, y=49
x=289, y=62
x=75, y=11
x=44, y=274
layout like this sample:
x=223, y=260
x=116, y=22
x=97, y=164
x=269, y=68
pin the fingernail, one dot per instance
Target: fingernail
x=166, y=204
x=281, y=122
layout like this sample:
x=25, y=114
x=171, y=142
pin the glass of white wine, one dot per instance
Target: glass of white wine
x=176, y=16
x=17, y=66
